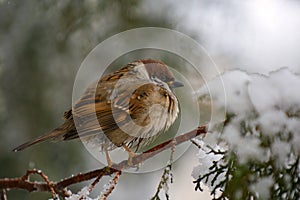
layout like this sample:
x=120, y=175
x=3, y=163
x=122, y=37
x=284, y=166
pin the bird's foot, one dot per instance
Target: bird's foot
x=131, y=155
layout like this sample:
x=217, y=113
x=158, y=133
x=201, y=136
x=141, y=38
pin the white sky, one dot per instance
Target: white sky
x=255, y=35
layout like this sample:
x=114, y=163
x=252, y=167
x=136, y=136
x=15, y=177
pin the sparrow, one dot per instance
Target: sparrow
x=128, y=108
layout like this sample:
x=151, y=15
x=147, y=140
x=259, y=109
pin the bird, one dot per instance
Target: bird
x=127, y=108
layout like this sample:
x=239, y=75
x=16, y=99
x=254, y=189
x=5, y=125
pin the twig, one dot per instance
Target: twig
x=111, y=186
x=95, y=182
x=39, y=172
x=194, y=142
x=60, y=187
x=167, y=177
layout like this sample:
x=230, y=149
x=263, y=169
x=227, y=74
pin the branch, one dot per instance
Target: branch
x=111, y=187
x=60, y=186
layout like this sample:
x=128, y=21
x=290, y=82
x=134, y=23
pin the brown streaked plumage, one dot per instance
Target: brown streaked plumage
x=131, y=106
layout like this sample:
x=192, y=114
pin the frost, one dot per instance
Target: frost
x=82, y=194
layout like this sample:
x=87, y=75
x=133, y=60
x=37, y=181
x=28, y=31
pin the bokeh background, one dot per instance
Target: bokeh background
x=42, y=44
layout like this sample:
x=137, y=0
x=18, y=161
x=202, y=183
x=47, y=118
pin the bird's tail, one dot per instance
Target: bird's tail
x=54, y=134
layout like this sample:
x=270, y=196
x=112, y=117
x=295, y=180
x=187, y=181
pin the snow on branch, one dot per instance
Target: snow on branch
x=256, y=155
x=60, y=187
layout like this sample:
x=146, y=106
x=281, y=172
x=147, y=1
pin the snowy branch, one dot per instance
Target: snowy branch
x=60, y=187
x=256, y=154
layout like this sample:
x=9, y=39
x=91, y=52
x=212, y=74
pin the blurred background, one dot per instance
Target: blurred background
x=42, y=44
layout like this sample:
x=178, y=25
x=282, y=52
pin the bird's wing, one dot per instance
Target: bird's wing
x=100, y=111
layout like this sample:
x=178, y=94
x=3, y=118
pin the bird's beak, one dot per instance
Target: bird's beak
x=175, y=84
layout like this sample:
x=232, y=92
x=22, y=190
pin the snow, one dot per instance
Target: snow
x=272, y=122
x=270, y=103
x=281, y=150
x=82, y=194
x=262, y=187
x=278, y=91
x=296, y=141
x=246, y=147
x=235, y=85
x=263, y=107
x=206, y=159
x=276, y=98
